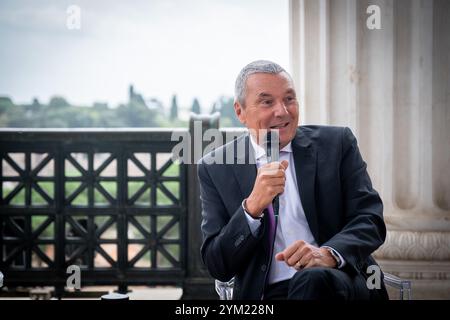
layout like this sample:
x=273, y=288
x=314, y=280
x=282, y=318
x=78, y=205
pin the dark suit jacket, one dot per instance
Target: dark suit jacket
x=342, y=209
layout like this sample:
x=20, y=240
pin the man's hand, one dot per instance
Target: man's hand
x=302, y=255
x=269, y=182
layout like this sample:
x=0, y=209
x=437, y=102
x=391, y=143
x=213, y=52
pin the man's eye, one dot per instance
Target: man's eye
x=266, y=102
x=290, y=99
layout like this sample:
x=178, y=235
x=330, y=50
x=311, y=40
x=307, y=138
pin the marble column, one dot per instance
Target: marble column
x=391, y=86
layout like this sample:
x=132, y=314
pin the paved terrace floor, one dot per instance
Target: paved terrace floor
x=136, y=293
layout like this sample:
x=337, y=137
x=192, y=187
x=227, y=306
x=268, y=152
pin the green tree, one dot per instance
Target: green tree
x=174, y=108
x=196, y=106
x=58, y=113
x=214, y=108
x=100, y=106
x=36, y=104
x=57, y=102
x=136, y=114
x=227, y=115
x=18, y=117
x=5, y=104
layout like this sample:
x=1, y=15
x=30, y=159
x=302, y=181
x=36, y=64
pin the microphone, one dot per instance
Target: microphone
x=272, y=143
x=273, y=154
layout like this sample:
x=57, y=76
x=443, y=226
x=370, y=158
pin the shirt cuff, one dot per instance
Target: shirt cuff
x=253, y=223
x=343, y=263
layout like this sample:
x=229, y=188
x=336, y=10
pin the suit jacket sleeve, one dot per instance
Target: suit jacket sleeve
x=228, y=243
x=364, y=229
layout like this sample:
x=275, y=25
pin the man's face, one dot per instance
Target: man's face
x=270, y=103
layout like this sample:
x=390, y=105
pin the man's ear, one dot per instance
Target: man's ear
x=240, y=112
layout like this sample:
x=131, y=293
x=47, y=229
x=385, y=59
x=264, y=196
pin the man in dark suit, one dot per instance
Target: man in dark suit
x=317, y=241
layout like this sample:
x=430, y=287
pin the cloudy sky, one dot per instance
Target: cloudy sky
x=193, y=48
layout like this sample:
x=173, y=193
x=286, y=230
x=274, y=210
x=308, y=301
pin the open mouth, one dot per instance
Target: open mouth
x=280, y=126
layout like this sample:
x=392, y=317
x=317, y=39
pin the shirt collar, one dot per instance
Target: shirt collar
x=260, y=152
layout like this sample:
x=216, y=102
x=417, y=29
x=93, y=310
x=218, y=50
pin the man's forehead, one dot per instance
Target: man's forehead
x=269, y=77
x=263, y=93
x=261, y=82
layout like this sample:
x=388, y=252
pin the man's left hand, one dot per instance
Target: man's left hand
x=302, y=255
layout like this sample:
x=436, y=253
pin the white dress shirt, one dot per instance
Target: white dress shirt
x=292, y=224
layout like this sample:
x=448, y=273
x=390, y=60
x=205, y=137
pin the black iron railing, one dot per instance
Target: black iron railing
x=110, y=201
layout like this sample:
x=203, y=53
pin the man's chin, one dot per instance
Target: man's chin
x=285, y=139
x=284, y=143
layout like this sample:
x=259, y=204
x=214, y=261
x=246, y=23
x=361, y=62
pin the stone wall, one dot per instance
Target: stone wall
x=391, y=86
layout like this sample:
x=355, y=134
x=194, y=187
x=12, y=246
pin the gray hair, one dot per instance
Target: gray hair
x=259, y=66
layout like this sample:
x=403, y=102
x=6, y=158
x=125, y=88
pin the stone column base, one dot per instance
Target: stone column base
x=430, y=279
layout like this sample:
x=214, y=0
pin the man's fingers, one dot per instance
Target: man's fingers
x=300, y=253
x=289, y=251
x=277, y=181
x=272, y=172
x=295, y=257
x=304, y=261
x=274, y=169
x=312, y=263
x=279, y=256
x=276, y=165
x=313, y=259
x=273, y=165
x=278, y=190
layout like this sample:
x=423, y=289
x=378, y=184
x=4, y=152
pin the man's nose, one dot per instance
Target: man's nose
x=280, y=109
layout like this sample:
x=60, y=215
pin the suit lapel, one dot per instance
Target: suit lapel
x=305, y=158
x=244, y=169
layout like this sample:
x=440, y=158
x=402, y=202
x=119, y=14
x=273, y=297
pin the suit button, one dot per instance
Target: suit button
x=263, y=268
x=239, y=240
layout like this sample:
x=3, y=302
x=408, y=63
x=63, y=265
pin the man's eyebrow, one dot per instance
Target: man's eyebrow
x=262, y=95
x=288, y=91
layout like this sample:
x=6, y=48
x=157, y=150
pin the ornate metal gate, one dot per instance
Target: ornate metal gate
x=112, y=202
